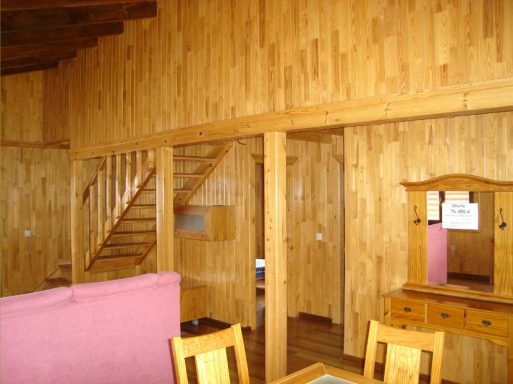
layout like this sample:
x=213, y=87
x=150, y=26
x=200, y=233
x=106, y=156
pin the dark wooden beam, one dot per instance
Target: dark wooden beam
x=24, y=61
x=13, y=5
x=29, y=68
x=43, y=49
x=60, y=33
x=29, y=19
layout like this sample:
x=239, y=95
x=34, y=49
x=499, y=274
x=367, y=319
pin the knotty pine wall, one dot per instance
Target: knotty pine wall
x=314, y=198
x=315, y=205
x=201, y=61
x=377, y=159
x=228, y=267
x=34, y=190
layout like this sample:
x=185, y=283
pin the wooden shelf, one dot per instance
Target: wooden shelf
x=211, y=223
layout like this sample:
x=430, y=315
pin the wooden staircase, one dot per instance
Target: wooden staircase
x=120, y=201
x=119, y=204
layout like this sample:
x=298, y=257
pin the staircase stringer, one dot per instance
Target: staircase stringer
x=121, y=209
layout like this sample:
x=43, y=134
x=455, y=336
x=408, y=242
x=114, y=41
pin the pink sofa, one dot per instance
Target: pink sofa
x=110, y=332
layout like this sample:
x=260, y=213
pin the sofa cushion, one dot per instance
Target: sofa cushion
x=109, y=332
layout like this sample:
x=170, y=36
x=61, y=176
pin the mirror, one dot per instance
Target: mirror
x=460, y=239
x=477, y=262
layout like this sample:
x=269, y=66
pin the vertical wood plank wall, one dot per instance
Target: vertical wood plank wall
x=205, y=61
x=227, y=266
x=202, y=61
x=377, y=159
x=22, y=107
x=35, y=197
x=314, y=205
x=35, y=190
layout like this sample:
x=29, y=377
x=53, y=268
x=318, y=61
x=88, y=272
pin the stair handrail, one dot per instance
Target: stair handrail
x=127, y=186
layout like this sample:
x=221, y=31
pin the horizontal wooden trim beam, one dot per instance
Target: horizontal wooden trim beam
x=43, y=49
x=29, y=68
x=33, y=19
x=27, y=144
x=61, y=33
x=468, y=99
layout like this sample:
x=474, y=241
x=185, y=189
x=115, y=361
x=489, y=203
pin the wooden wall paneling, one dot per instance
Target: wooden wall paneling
x=377, y=159
x=198, y=63
x=314, y=205
x=35, y=214
x=275, y=162
x=227, y=267
x=22, y=107
x=164, y=209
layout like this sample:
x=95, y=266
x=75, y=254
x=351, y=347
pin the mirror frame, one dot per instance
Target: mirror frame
x=503, y=237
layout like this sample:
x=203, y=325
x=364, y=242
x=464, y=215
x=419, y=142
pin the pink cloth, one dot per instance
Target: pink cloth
x=110, y=332
x=437, y=254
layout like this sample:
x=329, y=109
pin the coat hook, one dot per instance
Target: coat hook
x=417, y=220
x=503, y=224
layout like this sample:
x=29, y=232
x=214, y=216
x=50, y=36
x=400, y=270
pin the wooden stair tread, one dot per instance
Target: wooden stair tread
x=58, y=282
x=182, y=190
x=187, y=175
x=126, y=245
x=123, y=256
x=194, y=158
x=64, y=264
x=132, y=233
x=139, y=219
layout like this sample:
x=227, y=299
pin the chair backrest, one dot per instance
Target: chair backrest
x=210, y=356
x=404, y=347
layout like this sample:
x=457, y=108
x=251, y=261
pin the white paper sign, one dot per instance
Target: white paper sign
x=460, y=215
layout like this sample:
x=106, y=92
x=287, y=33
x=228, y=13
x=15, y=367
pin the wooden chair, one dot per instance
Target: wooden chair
x=210, y=356
x=402, y=364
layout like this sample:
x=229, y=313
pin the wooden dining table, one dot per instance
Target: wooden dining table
x=319, y=373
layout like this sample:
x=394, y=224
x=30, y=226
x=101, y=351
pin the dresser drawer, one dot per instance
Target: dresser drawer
x=408, y=310
x=446, y=316
x=487, y=323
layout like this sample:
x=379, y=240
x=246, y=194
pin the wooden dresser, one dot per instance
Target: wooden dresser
x=484, y=319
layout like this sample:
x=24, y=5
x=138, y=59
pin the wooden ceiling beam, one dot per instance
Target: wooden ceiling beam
x=43, y=49
x=15, y=5
x=61, y=33
x=29, y=68
x=24, y=61
x=33, y=19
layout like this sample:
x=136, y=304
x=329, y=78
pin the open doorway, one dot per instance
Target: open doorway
x=260, y=244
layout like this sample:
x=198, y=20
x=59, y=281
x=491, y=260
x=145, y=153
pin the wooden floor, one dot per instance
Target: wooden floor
x=309, y=341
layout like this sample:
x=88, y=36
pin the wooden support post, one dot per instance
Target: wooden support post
x=165, y=214
x=275, y=162
x=77, y=224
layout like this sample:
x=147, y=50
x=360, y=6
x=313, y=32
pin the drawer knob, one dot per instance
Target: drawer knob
x=486, y=323
x=444, y=315
x=407, y=309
